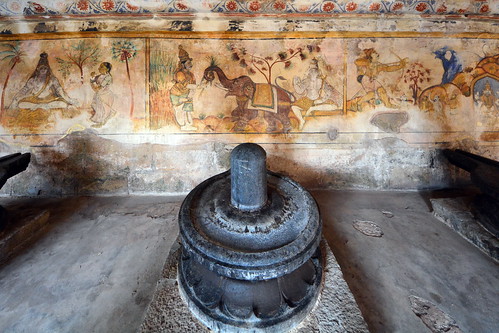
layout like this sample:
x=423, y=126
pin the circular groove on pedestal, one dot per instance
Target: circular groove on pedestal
x=257, y=264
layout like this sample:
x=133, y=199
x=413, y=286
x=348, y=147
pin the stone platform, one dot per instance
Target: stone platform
x=455, y=213
x=335, y=311
x=28, y=227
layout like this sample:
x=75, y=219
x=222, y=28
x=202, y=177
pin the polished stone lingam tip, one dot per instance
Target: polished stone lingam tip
x=248, y=177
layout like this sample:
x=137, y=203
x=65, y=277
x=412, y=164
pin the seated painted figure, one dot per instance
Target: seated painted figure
x=42, y=90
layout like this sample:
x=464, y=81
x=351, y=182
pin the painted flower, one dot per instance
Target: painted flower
x=442, y=9
x=328, y=6
x=207, y=4
x=82, y=5
x=462, y=11
x=15, y=6
x=61, y=6
x=181, y=6
x=375, y=6
x=397, y=6
x=421, y=7
x=484, y=9
x=231, y=5
x=254, y=6
x=38, y=8
x=351, y=6
x=132, y=7
x=107, y=5
x=279, y=5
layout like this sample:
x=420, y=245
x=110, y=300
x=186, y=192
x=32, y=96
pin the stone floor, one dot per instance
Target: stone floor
x=94, y=266
x=417, y=255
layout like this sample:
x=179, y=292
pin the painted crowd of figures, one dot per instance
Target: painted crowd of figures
x=314, y=94
x=254, y=100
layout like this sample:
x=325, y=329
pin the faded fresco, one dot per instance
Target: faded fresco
x=260, y=86
x=103, y=7
x=432, y=89
x=294, y=90
x=53, y=86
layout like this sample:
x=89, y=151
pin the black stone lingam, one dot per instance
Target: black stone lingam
x=250, y=248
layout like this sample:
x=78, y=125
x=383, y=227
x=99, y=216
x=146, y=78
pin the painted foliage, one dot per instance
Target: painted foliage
x=313, y=85
x=280, y=89
x=432, y=87
x=54, y=85
x=244, y=86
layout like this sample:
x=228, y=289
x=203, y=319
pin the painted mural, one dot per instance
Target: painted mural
x=244, y=86
x=103, y=7
x=298, y=90
x=52, y=86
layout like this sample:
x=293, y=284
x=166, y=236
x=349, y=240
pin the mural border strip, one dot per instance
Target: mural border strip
x=249, y=35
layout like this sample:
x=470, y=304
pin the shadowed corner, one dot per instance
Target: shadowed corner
x=26, y=220
x=31, y=219
x=10, y=166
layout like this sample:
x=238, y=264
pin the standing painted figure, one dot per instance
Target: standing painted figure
x=102, y=103
x=182, y=91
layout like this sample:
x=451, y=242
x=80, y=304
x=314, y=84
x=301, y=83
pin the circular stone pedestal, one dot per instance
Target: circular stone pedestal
x=250, y=260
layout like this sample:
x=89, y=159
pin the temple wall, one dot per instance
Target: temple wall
x=152, y=101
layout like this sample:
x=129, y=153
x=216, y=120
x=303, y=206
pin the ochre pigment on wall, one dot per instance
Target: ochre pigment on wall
x=292, y=90
x=127, y=113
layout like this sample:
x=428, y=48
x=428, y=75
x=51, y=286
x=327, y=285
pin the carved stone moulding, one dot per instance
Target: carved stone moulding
x=250, y=248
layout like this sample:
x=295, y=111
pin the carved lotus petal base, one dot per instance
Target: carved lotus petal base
x=224, y=304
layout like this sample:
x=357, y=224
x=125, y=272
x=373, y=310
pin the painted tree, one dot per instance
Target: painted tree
x=264, y=64
x=416, y=75
x=125, y=51
x=14, y=54
x=78, y=54
x=161, y=70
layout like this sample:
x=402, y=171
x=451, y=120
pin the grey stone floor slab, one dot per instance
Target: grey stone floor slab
x=93, y=271
x=417, y=255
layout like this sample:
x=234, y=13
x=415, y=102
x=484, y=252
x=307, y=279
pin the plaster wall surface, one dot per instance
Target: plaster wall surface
x=360, y=98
